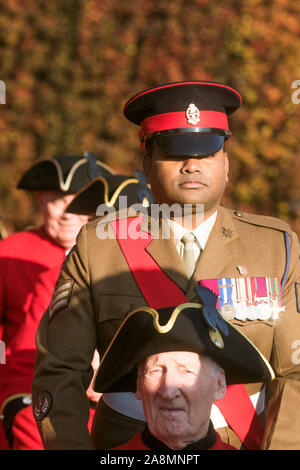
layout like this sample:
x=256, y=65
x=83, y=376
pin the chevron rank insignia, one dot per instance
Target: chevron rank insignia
x=61, y=297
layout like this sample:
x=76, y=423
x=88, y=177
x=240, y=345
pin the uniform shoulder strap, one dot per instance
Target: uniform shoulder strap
x=261, y=220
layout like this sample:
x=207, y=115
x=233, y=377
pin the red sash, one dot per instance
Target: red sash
x=160, y=291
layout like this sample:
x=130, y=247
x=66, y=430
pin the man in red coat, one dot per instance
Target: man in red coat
x=177, y=389
x=30, y=262
x=179, y=361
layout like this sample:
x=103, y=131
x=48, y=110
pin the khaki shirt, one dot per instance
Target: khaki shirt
x=96, y=290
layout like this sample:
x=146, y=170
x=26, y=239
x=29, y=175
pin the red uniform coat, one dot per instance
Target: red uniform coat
x=136, y=443
x=30, y=263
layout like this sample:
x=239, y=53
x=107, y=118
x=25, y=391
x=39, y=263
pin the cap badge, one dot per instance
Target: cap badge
x=216, y=338
x=192, y=114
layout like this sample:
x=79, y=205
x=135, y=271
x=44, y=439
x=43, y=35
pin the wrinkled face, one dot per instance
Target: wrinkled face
x=187, y=180
x=60, y=225
x=177, y=390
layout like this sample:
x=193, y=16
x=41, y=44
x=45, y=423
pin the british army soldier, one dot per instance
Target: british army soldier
x=250, y=262
x=30, y=262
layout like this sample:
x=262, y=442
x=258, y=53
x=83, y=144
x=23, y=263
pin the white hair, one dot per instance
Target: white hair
x=214, y=368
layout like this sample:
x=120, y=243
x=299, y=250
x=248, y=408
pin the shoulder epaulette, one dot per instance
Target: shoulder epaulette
x=261, y=221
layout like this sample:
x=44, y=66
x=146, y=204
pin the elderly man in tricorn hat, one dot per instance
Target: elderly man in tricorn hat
x=178, y=361
x=250, y=262
x=30, y=262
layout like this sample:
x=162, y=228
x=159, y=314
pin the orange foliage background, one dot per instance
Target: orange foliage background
x=69, y=66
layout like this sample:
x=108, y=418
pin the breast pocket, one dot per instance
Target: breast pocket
x=111, y=312
x=117, y=306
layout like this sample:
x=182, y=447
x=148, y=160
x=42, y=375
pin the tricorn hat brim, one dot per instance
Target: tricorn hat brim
x=63, y=173
x=107, y=191
x=146, y=331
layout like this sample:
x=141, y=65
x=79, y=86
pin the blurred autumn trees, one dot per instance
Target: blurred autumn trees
x=69, y=66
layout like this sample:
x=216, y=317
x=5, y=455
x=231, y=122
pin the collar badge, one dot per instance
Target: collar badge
x=227, y=232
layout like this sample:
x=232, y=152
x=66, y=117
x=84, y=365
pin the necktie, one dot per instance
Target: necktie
x=189, y=256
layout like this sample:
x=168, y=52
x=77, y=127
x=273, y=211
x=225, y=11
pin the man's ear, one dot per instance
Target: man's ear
x=40, y=196
x=226, y=161
x=221, y=385
x=138, y=394
x=147, y=165
x=42, y=199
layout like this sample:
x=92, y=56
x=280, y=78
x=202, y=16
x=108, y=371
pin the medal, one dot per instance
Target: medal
x=252, y=313
x=275, y=308
x=248, y=298
x=264, y=311
x=228, y=311
x=241, y=311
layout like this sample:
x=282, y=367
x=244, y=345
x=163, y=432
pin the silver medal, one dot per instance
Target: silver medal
x=252, y=313
x=228, y=311
x=241, y=311
x=264, y=311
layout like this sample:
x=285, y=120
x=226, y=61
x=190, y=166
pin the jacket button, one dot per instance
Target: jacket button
x=238, y=213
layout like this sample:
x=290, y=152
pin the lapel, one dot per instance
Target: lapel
x=164, y=252
x=217, y=252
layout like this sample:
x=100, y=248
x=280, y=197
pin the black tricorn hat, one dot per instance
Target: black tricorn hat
x=184, y=118
x=107, y=191
x=188, y=327
x=63, y=173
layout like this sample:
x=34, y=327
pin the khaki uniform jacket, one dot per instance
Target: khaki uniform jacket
x=96, y=290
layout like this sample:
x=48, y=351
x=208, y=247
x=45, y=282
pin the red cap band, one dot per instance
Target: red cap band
x=179, y=120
